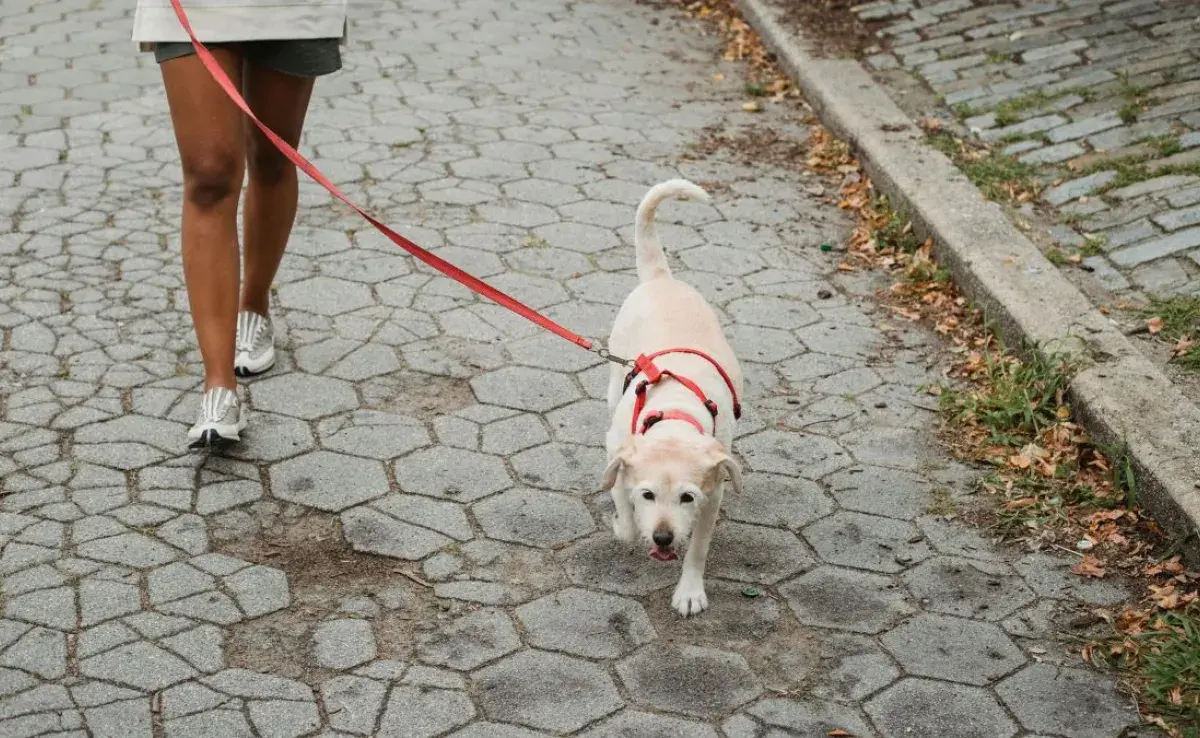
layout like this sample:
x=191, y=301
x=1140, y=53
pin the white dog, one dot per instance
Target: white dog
x=673, y=415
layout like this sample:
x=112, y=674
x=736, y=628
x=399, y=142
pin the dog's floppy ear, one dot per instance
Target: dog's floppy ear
x=620, y=459
x=720, y=461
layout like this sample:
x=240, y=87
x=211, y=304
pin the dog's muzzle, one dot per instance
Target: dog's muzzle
x=662, y=545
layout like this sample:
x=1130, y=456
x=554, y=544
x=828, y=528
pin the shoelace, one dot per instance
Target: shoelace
x=250, y=328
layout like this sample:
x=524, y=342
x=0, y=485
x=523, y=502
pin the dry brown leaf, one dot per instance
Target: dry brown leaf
x=1090, y=566
x=1154, y=325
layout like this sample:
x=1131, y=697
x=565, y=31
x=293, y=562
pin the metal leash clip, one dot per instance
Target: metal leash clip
x=607, y=355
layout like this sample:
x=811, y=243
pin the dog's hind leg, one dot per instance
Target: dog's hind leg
x=689, y=597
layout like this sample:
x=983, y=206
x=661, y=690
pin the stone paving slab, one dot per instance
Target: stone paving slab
x=417, y=548
x=1101, y=96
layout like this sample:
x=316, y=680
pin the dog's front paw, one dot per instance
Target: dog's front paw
x=623, y=529
x=689, y=598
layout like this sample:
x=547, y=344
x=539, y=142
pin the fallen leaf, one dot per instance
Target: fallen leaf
x=838, y=733
x=1154, y=325
x=1089, y=566
x=1165, y=596
x=1019, y=461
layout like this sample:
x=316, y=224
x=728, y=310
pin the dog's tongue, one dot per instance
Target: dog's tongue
x=662, y=554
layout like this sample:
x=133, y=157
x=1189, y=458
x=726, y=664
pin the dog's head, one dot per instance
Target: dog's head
x=669, y=481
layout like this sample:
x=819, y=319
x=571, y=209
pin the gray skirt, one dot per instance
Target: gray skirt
x=302, y=57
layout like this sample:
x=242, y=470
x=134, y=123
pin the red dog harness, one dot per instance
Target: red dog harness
x=644, y=365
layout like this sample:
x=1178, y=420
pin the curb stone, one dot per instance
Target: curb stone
x=1120, y=395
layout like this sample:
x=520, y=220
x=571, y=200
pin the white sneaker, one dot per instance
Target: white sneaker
x=221, y=420
x=255, y=344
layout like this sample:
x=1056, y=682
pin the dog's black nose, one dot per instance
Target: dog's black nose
x=663, y=538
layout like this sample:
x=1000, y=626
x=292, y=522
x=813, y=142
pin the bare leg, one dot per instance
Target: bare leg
x=208, y=131
x=281, y=102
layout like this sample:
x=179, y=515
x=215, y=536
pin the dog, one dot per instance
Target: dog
x=673, y=414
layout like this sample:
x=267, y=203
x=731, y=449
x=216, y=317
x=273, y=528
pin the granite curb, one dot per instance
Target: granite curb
x=1121, y=396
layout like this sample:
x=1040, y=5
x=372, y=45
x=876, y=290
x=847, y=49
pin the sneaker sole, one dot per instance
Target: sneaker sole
x=251, y=368
x=211, y=440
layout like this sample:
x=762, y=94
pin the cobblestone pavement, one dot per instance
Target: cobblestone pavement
x=1103, y=96
x=410, y=543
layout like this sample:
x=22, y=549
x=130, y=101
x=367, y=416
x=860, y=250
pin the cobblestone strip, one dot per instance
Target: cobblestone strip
x=410, y=543
x=1102, y=96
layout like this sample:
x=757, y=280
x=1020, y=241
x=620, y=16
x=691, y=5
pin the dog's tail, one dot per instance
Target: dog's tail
x=651, y=259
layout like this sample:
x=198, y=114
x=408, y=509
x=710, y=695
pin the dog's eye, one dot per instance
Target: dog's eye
x=647, y=495
x=686, y=497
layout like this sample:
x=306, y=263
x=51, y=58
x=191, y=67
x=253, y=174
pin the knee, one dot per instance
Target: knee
x=212, y=178
x=268, y=166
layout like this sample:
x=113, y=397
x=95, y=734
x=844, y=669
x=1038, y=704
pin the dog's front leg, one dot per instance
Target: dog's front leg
x=689, y=597
x=622, y=522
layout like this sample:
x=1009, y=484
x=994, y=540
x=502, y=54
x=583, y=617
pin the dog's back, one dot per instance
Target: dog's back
x=662, y=311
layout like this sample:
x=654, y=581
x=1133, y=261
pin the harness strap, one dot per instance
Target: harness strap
x=660, y=415
x=645, y=366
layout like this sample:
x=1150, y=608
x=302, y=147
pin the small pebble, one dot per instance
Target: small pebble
x=824, y=294
x=1084, y=545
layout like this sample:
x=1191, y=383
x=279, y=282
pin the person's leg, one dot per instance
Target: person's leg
x=281, y=102
x=209, y=133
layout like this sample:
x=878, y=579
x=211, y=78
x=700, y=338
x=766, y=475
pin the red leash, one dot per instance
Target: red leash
x=471, y=282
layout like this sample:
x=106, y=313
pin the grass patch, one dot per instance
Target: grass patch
x=1057, y=256
x=1160, y=658
x=1128, y=113
x=1176, y=320
x=964, y=110
x=1016, y=401
x=1166, y=145
x=1133, y=169
x=999, y=176
x=1092, y=246
x=1138, y=100
x=896, y=231
x=1009, y=111
x=1012, y=138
